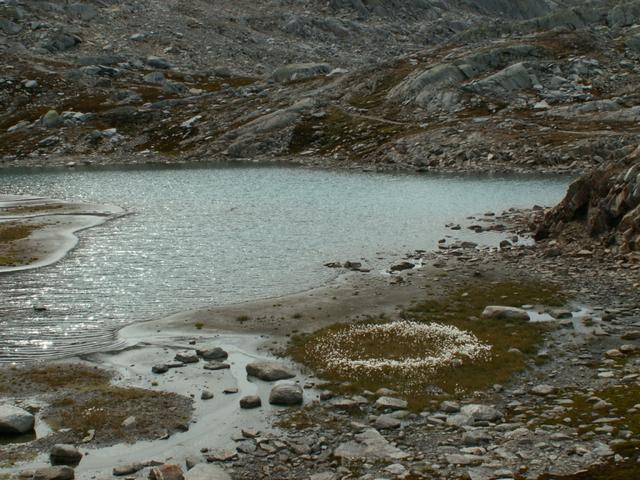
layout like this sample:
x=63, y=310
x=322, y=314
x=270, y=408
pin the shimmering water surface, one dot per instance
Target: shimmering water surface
x=213, y=235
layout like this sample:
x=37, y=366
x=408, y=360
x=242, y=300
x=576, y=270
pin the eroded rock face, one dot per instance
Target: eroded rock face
x=606, y=202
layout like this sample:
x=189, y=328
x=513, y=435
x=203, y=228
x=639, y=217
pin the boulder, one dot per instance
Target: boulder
x=206, y=471
x=384, y=422
x=65, y=455
x=15, y=420
x=505, y=313
x=286, y=394
x=269, y=371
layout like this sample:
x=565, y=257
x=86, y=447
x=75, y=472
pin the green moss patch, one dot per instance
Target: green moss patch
x=513, y=344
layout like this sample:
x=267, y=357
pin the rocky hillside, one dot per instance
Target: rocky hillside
x=528, y=85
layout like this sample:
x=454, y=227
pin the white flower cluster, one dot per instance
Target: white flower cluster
x=412, y=348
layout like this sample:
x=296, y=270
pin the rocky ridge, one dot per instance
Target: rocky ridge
x=550, y=88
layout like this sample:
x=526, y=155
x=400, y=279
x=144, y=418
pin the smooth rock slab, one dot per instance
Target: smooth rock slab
x=369, y=445
x=505, y=313
x=65, y=455
x=286, y=394
x=269, y=371
x=205, y=471
x=15, y=420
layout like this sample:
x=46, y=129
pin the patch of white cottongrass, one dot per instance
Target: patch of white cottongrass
x=428, y=347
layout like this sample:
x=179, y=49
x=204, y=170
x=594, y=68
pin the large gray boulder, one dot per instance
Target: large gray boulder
x=269, y=371
x=514, y=78
x=286, y=394
x=299, y=71
x=206, y=471
x=15, y=420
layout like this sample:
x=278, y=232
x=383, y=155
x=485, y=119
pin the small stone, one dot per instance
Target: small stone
x=204, y=471
x=160, y=369
x=206, y=395
x=250, y=401
x=230, y=391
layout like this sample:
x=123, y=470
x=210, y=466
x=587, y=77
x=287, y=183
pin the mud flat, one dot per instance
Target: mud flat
x=37, y=231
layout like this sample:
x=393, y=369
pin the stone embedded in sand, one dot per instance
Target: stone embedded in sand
x=206, y=395
x=505, y=313
x=65, y=455
x=127, y=469
x=286, y=393
x=15, y=420
x=206, y=471
x=402, y=266
x=167, y=471
x=269, y=371
x=250, y=401
x=160, y=369
x=391, y=403
x=215, y=353
x=187, y=357
x=54, y=473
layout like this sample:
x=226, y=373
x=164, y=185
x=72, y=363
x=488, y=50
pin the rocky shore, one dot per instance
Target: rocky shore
x=571, y=408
